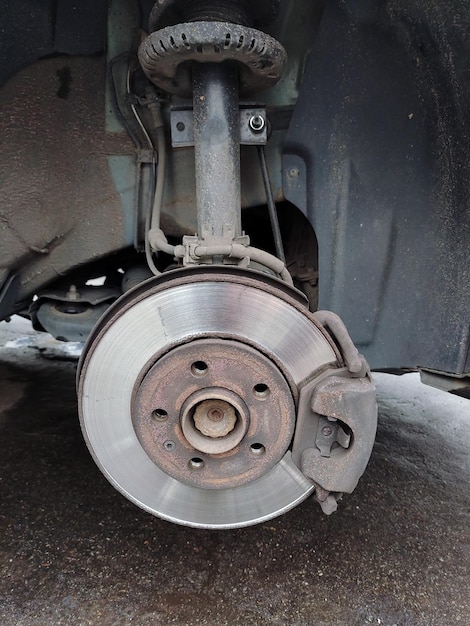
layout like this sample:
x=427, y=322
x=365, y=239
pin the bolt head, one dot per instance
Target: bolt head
x=257, y=123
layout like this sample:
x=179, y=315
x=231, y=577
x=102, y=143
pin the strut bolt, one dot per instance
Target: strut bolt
x=72, y=293
x=257, y=123
x=326, y=431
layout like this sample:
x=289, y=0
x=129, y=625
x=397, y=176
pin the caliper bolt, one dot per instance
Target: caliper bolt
x=257, y=123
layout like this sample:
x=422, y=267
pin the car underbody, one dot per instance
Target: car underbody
x=241, y=210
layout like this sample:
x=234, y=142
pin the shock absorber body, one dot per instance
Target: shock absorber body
x=211, y=52
x=217, y=151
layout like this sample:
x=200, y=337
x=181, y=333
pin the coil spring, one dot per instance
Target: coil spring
x=233, y=11
x=243, y=12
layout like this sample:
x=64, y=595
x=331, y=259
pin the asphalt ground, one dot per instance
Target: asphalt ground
x=74, y=551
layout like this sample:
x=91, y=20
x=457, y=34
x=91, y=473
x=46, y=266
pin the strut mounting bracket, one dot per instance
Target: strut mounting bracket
x=253, y=127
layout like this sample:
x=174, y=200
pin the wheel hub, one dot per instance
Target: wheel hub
x=224, y=402
x=203, y=351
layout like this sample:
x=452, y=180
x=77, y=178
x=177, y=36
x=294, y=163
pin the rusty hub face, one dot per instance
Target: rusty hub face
x=214, y=413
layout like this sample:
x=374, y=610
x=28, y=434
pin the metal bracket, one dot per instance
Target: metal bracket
x=325, y=404
x=222, y=247
x=253, y=127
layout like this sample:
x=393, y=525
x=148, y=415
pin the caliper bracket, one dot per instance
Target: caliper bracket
x=336, y=426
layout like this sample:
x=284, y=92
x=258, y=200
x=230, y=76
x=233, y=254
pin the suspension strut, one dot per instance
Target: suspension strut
x=234, y=402
x=217, y=150
x=211, y=52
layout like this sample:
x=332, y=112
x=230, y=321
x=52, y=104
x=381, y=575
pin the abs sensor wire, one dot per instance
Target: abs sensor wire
x=153, y=214
x=273, y=217
x=158, y=153
x=124, y=56
x=154, y=175
x=157, y=180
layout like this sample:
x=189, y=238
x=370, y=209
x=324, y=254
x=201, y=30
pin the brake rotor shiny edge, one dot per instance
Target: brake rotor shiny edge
x=132, y=333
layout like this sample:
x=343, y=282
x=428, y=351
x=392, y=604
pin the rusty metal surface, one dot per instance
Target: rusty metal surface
x=209, y=370
x=176, y=334
x=215, y=418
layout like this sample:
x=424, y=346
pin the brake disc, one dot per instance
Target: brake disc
x=187, y=395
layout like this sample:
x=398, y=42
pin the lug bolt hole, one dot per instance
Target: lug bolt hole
x=160, y=415
x=261, y=391
x=169, y=446
x=196, y=463
x=199, y=368
x=257, y=449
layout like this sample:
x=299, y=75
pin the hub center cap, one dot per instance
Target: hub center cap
x=215, y=418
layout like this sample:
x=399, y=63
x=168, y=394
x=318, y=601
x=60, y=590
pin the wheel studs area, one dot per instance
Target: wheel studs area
x=214, y=413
